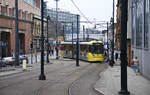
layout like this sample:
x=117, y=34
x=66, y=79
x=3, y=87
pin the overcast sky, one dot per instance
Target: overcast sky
x=99, y=10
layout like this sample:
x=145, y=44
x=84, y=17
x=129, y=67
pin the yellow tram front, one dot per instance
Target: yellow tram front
x=96, y=51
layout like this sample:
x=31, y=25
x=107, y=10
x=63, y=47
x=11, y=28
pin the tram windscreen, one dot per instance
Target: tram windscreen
x=97, y=48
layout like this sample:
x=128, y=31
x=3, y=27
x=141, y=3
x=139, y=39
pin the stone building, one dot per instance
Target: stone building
x=139, y=22
x=36, y=32
x=138, y=33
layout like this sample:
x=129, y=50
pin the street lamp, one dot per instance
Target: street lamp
x=42, y=76
x=83, y=33
x=63, y=32
x=111, y=62
x=107, y=45
x=77, y=51
x=48, y=18
x=124, y=62
x=16, y=35
x=57, y=29
x=87, y=37
x=72, y=42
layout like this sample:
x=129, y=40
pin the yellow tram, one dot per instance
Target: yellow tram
x=92, y=51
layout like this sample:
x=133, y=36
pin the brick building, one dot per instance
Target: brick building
x=26, y=11
x=118, y=32
x=118, y=26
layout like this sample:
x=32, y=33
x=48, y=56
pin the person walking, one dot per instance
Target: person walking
x=116, y=56
x=50, y=50
x=13, y=53
x=136, y=64
x=57, y=52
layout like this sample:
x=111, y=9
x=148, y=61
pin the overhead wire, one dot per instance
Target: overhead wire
x=88, y=21
x=81, y=12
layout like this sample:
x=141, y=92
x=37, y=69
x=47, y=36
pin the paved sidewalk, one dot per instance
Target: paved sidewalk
x=13, y=70
x=109, y=83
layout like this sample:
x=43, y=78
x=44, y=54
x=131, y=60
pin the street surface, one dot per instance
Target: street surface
x=62, y=78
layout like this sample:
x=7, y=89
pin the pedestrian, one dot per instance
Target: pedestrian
x=50, y=50
x=61, y=51
x=105, y=54
x=116, y=56
x=57, y=52
x=13, y=53
x=135, y=64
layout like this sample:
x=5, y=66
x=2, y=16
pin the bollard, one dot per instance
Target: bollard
x=24, y=65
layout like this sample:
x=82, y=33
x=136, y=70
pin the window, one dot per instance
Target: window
x=139, y=24
x=133, y=30
x=133, y=24
x=31, y=2
x=139, y=32
x=96, y=49
x=146, y=23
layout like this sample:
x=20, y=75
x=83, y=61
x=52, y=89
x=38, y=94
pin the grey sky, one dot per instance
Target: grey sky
x=100, y=10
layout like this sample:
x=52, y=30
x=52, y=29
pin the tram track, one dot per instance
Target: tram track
x=84, y=71
x=74, y=83
x=60, y=80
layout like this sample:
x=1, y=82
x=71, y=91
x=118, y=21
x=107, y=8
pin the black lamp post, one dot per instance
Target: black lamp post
x=124, y=63
x=83, y=33
x=77, y=48
x=72, y=42
x=107, y=45
x=16, y=36
x=111, y=62
x=63, y=32
x=42, y=76
x=47, y=41
x=57, y=29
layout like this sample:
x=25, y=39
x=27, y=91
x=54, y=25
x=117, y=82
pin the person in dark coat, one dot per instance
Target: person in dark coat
x=116, y=56
x=57, y=51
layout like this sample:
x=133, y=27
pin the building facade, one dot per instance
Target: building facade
x=89, y=35
x=36, y=33
x=118, y=30
x=139, y=13
x=118, y=26
x=26, y=10
x=65, y=22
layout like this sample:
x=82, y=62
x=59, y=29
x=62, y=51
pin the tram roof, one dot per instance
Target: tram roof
x=90, y=42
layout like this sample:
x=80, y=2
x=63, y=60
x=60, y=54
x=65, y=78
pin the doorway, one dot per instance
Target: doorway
x=5, y=43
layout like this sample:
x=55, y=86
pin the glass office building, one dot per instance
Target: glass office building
x=65, y=18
